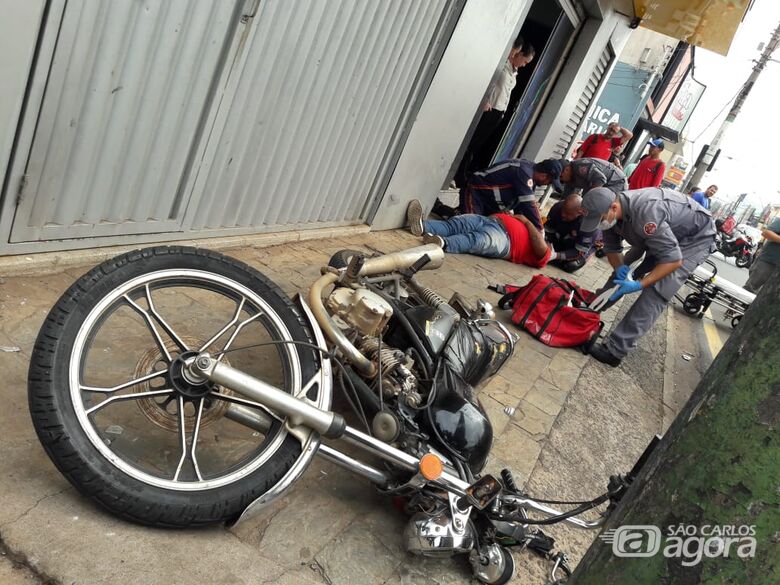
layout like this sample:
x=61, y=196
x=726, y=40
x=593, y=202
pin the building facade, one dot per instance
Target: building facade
x=160, y=120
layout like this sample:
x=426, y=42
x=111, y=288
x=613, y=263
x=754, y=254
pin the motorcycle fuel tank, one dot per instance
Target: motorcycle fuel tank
x=460, y=422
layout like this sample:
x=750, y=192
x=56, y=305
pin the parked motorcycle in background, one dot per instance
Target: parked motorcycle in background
x=177, y=387
x=739, y=246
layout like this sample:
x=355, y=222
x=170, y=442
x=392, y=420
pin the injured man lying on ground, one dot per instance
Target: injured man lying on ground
x=512, y=237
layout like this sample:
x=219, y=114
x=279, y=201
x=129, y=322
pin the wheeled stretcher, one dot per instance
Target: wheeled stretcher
x=707, y=288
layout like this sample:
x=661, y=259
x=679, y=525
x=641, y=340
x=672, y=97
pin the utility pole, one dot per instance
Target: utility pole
x=707, y=158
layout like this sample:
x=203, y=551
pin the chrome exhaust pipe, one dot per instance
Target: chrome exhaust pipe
x=336, y=336
x=403, y=260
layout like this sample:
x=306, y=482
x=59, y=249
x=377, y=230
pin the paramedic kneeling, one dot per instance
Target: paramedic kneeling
x=673, y=233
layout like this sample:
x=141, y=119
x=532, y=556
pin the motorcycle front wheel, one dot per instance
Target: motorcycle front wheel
x=743, y=260
x=116, y=416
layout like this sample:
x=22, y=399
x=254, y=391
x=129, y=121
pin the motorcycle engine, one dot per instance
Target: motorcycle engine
x=361, y=309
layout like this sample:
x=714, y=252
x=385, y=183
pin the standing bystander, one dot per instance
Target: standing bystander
x=494, y=108
x=703, y=197
x=768, y=261
x=651, y=169
x=603, y=145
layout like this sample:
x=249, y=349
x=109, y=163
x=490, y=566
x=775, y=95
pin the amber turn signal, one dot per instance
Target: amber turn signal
x=431, y=467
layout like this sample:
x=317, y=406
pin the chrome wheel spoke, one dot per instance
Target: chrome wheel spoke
x=152, y=318
x=124, y=397
x=185, y=452
x=168, y=329
x=129, y=384
x=234, y=322
x=152, y=327
x=195, y=431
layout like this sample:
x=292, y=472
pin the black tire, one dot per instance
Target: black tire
x=743, y=260
x=68, y=445
x=735, y=320
x=692, y=304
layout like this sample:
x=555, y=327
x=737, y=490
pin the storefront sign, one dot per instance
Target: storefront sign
x=620, y=101
x=684, y=103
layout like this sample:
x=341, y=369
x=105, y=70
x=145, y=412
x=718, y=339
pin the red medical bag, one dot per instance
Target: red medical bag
x=553, y=310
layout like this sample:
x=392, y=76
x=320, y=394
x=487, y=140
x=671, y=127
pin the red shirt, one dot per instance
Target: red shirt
x=599, y=146
x=520, y=249
x=648, y=173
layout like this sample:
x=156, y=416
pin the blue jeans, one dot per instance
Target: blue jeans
x=471, y=234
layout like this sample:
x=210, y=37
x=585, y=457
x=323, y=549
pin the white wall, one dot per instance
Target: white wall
x=647, y=49
x=478, y=46
x=19, y=24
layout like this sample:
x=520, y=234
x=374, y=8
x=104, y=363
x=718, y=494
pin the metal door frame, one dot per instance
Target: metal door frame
x=226, y=85
x=16, y=178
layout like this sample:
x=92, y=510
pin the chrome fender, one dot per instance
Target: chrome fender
x=310, y=440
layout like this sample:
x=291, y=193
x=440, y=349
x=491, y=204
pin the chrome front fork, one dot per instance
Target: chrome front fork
x=301, y=415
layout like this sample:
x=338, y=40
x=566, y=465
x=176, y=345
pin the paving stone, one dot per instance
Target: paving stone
x=356, y=557
x=506, y=391
x=322, y=504
x=495, y=411
x=519, y=449
x=532, y=420
x=547, y=397
x=562, y=372
x=82, y=544
x=12, y=574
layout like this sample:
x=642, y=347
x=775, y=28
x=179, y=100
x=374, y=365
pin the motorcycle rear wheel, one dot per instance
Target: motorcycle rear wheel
x=743, y=260
x=118, y=422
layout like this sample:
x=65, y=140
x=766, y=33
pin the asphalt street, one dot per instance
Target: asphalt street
x=715, y=329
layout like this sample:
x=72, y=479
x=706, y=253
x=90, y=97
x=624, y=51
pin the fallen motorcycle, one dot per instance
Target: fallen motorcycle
x=177, y=387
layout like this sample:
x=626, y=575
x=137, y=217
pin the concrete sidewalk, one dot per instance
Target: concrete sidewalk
x=575, y=423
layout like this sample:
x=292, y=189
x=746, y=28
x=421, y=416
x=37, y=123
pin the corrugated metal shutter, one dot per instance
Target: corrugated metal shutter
x=128, y=85
x=318, y=101
x=567, y=139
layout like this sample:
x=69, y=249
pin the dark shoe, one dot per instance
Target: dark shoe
x=602, y=354
x=432, y=239
x=414, y=213
x=443, y=211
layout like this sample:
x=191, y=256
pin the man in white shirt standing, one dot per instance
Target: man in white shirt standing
x=495, y=105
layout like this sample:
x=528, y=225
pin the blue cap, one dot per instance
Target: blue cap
x=657, y=142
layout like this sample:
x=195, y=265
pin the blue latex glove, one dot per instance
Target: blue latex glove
x=622, y=272
x=626, y=287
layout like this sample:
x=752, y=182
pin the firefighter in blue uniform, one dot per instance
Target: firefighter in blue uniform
x=671, y=231
x=509, y=186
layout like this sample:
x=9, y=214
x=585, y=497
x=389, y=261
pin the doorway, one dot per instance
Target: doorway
x=553, y=29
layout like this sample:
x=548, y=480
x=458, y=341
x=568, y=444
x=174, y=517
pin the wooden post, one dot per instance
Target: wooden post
x=718, y=465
